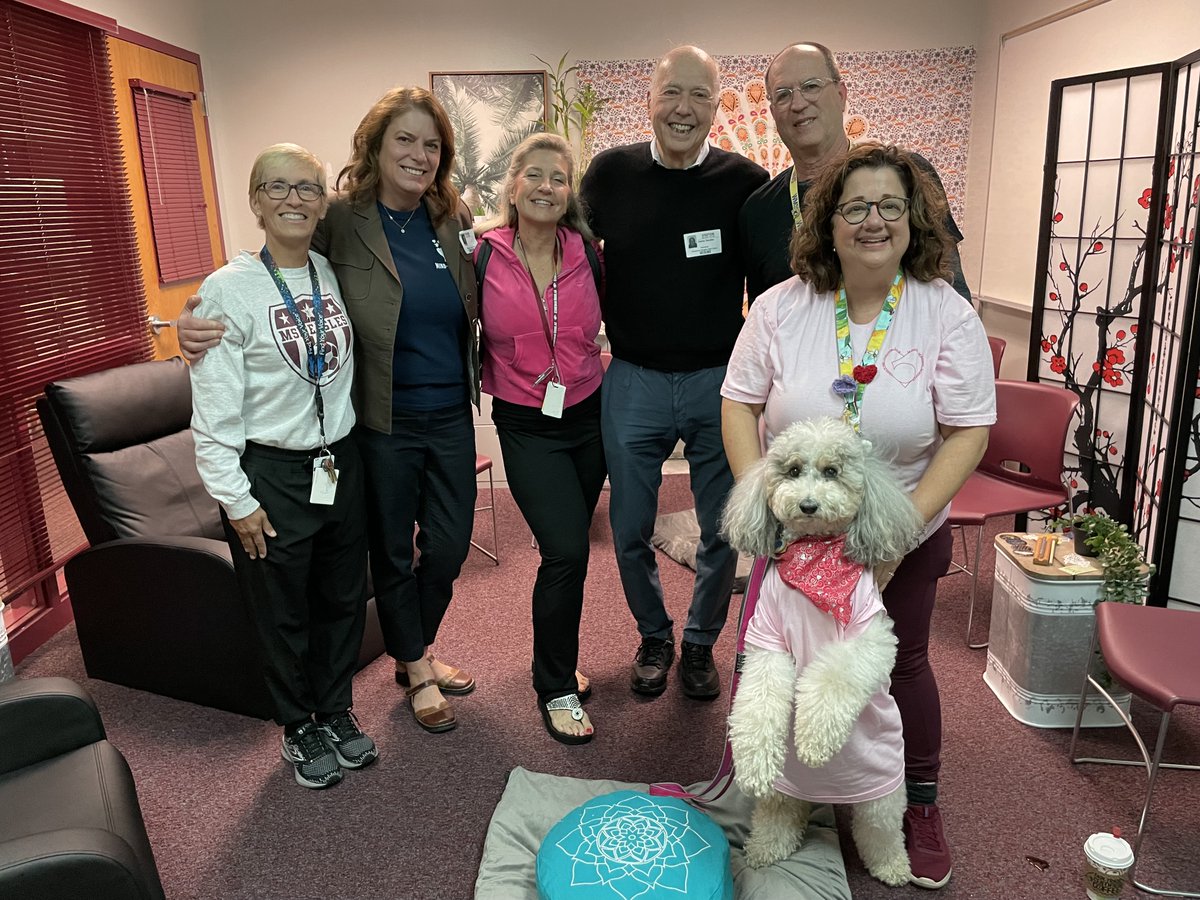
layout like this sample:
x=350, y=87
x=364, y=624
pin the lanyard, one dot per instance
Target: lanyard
x=794, y=190
x=852, y=380
x=315, y=351
x=547, y=315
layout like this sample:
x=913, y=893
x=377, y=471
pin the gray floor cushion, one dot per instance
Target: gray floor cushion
x=533, y=802
x=677, y=534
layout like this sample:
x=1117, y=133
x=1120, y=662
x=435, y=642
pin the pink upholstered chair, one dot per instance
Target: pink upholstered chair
x=1152, y=652
x=484, y=464
x=1021, y=471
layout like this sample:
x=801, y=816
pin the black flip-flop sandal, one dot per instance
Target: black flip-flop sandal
x=566, y=702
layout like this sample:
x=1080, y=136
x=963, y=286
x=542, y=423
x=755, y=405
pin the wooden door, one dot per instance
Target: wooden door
x=133, y=61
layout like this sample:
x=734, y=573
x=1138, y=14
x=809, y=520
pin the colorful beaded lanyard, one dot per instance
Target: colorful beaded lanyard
x=852, y=381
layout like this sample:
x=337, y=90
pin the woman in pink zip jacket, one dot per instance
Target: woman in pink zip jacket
x=540, y=310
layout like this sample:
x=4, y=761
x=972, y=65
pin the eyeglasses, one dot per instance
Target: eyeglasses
x=810, y=91
x=279, y=190
x=856, y=211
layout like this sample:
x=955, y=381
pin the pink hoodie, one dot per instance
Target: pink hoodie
x=515, y=351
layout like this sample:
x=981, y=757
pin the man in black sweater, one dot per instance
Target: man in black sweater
x=808, y=100
x=667, y=213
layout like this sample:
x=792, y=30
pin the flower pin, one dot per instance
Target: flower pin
x=844, y=386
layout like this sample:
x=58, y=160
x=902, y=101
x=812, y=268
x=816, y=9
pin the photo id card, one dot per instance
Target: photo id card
x=324, y=481
x=556, y=395
x=702, y=243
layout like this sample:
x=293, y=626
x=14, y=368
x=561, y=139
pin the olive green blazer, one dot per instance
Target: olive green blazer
x=351, y=237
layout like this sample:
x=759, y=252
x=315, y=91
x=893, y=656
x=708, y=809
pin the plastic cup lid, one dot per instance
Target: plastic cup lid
x=1104, y=849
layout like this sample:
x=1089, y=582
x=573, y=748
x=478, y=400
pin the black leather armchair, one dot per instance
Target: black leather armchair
x=155, y=600
x=71, y=828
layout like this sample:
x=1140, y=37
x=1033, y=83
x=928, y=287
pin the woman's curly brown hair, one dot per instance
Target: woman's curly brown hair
x=811, y=252
x=361, y=174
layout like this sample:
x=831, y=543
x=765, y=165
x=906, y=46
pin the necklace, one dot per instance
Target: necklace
x=406, y=221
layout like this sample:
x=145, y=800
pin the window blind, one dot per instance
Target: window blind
x=69, y=272
x=171, y=163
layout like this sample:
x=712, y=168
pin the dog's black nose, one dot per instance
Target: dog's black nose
x=808, y=507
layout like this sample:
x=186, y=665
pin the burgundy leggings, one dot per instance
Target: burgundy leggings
x=909, y=601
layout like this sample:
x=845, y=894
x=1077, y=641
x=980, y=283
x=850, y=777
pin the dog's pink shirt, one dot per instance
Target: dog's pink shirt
x=871, y=764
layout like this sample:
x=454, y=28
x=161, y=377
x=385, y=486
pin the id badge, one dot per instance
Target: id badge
x=702, y=243
x=324, y=481
x=552, y=404
x=467, y=240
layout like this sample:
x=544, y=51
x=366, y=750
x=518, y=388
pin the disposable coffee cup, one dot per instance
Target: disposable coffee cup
x=1109, y=859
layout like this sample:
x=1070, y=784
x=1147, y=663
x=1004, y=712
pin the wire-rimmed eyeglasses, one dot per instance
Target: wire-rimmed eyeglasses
x=856, y=211
x=279, y=190
x=809, y=90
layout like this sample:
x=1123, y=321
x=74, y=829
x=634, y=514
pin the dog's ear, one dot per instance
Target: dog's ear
x=887, y=523
x=748, y=523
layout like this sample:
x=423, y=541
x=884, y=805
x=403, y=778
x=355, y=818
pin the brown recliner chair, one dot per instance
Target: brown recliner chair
x=71, y=828
x=155, y=600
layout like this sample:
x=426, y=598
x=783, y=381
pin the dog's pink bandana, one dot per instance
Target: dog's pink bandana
x=818, y=568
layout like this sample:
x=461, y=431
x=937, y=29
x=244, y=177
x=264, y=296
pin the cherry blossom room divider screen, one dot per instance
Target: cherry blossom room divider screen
x=1114, y=316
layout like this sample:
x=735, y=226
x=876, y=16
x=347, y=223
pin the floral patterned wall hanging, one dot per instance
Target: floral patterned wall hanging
x=920, y=99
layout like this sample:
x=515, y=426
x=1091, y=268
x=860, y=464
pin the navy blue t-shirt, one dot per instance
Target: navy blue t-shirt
x=427, y=364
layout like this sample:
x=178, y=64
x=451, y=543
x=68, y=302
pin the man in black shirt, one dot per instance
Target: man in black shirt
x=808, y=100
x=667, y=213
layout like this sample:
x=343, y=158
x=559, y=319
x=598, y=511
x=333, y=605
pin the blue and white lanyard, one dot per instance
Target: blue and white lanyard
x=316, y=352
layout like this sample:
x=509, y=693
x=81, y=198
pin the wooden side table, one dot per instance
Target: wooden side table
x=1042, y=620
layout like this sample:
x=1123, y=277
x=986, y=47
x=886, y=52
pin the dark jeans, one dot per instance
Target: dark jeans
x=909, y=599
x=423, y=473
x=555, y=470
x=645, y=412
x=307, y=598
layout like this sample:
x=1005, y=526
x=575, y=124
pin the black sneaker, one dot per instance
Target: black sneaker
x=698, y=672
x=650, y=667
x=341, y=734
x=316, y=765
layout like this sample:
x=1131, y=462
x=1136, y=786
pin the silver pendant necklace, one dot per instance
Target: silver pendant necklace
x=406, y=221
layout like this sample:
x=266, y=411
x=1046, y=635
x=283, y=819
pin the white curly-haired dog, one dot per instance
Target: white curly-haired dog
x=826, y=508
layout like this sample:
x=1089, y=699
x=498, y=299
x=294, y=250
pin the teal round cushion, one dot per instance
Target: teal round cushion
x=627, y=845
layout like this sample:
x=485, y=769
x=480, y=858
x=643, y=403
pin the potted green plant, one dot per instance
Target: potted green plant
x=572, y=108
x=1126, y=572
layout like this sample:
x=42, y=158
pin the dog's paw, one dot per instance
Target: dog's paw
x=767, y=846
x=893, y=873
x=822, y=728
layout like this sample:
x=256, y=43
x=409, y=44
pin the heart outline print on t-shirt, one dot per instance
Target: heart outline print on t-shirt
x=905, y=366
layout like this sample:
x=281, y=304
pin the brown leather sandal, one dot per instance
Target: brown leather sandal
x=440, y=718
x=457, y=682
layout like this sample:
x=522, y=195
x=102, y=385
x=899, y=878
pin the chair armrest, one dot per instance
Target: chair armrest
x=74, y=864
x=41, y=718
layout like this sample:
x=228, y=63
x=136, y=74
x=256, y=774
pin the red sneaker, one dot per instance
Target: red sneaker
x=928, y=853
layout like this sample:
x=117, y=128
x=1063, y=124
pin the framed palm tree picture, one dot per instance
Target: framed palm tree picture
x=490, y=112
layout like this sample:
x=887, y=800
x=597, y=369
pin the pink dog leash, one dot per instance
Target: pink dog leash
x=721, y=781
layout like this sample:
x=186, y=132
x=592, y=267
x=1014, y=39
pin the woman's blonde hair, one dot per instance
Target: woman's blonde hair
x=574, y=218
x=361, y=174
x=811, y=252
x=275, y=153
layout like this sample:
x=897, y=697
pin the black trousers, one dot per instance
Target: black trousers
x=422, y=473
x=555, y=470
x=307, y=598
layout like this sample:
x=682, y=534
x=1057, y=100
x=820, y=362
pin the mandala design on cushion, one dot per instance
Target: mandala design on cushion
x=634, y=846
x=919, y=99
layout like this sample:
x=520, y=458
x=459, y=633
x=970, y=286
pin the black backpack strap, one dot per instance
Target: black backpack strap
x=593, y=259
x=481, y=261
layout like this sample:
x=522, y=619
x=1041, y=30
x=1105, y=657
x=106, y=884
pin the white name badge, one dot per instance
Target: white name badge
x=702, y=243
x=324, y=484
x=556, y=395
x=466, y=238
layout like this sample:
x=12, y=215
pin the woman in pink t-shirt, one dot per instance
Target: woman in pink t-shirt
x=540, y=309
x=870, y=330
